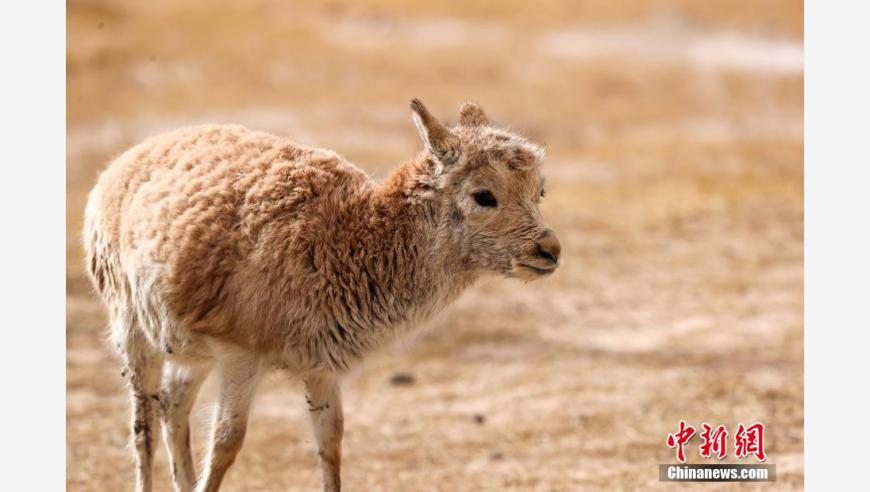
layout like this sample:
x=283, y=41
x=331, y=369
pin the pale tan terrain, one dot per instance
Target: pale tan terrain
x=675, y=183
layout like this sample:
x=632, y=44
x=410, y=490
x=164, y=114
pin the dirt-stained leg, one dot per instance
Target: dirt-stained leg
x=180, y=387
x=239, y=374
x=324, y=403
x=142, y=369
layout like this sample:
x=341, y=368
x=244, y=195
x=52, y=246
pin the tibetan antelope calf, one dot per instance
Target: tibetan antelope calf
x=220, y=247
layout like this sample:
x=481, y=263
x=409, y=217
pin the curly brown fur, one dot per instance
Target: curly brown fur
x=220, y=245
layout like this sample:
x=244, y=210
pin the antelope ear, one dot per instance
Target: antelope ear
x=440, y=142
x=470, y=114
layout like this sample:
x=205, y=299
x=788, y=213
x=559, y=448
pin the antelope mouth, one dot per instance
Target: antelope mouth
x=546, y=270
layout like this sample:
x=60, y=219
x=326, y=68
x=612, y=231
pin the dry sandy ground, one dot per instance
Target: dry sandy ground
x=675, y=184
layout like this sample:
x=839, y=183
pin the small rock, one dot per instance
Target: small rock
x=402, y=379
x=480, y=419
x=496, y=455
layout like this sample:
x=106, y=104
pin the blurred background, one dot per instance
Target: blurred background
x=675, y=183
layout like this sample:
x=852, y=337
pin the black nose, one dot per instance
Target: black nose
x=548, y=246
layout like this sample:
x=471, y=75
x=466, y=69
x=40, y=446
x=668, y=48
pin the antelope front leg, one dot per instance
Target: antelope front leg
x=239, y=375
x=324, y=404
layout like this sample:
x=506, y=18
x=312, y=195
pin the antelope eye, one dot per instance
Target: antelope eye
x=485, y=198
x=542, y=193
